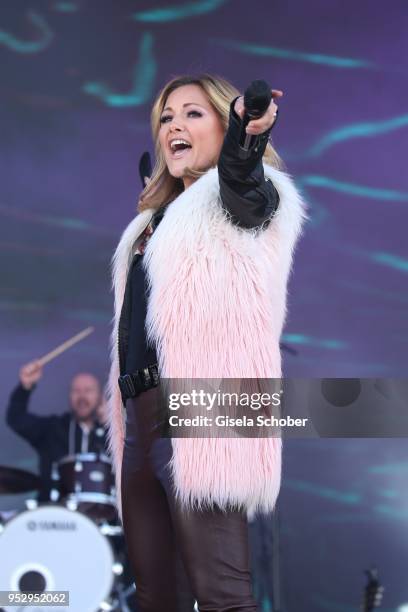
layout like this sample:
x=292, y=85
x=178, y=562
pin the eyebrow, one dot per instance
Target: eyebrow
x=186, y=104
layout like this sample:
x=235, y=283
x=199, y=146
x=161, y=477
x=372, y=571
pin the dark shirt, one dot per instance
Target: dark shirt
x=139, y=353
x=50, y=435
x=250, y=200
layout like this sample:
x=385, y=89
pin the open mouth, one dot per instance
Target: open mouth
x=179, y=148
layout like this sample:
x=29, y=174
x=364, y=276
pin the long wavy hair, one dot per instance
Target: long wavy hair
x=162, y=187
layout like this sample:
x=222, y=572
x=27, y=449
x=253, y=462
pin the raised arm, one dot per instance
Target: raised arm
x=31, y=427
x=250, y=199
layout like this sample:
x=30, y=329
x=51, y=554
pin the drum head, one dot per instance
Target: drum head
x=52, y=548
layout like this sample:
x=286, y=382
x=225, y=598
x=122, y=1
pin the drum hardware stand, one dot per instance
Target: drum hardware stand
x=118, y=600
x=122, y=593
x=276, y=550
x=265, y=558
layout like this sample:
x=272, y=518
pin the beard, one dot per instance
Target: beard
x=83, y=409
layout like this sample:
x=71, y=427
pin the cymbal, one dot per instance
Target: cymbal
x=13, y=480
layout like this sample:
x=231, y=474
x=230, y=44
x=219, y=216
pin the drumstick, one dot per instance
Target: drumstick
x=65, y=346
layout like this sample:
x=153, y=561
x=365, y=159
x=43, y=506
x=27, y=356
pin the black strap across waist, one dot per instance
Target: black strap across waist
x=132, y=385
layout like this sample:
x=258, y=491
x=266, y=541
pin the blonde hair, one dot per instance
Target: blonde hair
x=162, y=187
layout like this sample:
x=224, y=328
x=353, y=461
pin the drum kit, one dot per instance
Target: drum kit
x=71, y=543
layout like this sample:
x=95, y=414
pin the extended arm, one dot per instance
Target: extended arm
x=250, y=199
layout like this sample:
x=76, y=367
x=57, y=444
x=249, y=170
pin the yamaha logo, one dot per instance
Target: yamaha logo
x=51, y=526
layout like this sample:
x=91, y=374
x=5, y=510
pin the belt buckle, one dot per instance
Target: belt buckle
x=154, y=375
x=144, y=376
x=127, y=386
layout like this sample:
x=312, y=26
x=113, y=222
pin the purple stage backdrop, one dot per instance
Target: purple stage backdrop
x=77, y=82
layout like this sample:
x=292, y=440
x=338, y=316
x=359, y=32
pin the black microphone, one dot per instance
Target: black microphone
x=145, y=168
x=257, y=98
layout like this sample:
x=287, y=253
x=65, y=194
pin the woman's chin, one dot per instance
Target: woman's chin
x=178, y=172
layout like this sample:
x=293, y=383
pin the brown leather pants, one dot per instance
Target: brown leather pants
x=177, y=556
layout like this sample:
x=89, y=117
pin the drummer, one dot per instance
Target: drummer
x=80, y=430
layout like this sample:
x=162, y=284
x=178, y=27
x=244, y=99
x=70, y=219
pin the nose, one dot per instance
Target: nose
x=175, y=125
x=175, y=128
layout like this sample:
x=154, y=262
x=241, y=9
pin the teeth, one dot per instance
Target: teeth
x=178, y=141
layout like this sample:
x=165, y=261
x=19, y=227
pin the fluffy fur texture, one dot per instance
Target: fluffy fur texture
x=217, y=306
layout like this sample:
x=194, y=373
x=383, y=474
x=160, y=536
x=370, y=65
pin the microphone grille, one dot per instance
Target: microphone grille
x=257, y=98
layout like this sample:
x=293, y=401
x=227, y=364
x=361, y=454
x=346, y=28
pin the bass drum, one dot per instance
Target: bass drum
x=55, y=549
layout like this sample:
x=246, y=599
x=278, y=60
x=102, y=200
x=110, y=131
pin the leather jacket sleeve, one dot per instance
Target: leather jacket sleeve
x=249, y=198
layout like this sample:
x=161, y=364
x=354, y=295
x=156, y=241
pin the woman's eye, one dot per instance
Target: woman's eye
x=166, y=117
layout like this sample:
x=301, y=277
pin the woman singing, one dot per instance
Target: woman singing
x=200, y=280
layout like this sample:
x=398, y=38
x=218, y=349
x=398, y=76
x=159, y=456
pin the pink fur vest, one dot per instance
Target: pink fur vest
x=216, y=309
